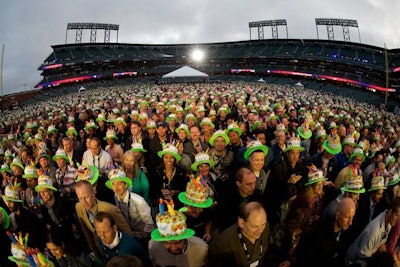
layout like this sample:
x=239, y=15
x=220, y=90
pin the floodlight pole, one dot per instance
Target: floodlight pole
x=387, y=75
x=1, y=71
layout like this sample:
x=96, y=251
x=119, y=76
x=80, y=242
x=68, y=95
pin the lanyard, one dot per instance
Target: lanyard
x=246, y=251
x=129, y=219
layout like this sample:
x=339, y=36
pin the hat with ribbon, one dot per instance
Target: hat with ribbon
x=207, y=121
x=219, y=133
x=201, y=158
x=17, y=162
x=353, y=184
x=61, y=153
x=117, y=174
x=169, y=149
x=234, y=127
x=197, y=193
x=253, y=146
x=377, y=183
x=71, y=130
x=5, y=168
x=184, y=127
x=88, y=173
x=315, y=175
x=332, y=144
x=293, y=143
x=138, y=147
x=349, y=140
x=304, y=130
x=357, y=152
x=190, y=116
x=12, y=193
x=394, y=179
x=110, y=134
x=171, y=224
x=30, y=171
x=44, y=181
x=151, y=125
x=51, y=129
x=119, y=120
x=89, y=125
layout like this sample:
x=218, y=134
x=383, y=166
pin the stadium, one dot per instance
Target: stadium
x=341, y=67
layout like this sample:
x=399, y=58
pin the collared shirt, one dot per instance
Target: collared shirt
x=370, y=239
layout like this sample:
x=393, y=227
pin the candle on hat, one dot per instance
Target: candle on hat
x=170, y=207
x=161, y=206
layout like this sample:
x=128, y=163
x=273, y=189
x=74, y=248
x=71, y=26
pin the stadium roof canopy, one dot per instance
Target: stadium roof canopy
x=184, y=72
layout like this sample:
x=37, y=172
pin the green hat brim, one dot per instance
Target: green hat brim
x=315, y=181
x=23, y=263
x=162, y=153
x=6, y=170
x=234, y=129
x=330, y=150
x=197, y=163
x=169, y=118
x=149, y=127
x=6, y=218
x=71, y=131
x=30, y=176
x=214, y=136
x=95, y=175
x=249, y=151
x=11, y=199
x=394, y=182
x=40, y=186
x=54, y=130
x=273, y=117
x=61, y=157
x=301, y=133
x=106, y=138
x=357, y=155
x=186, y=130
x=299, y=148
x=123, y=179
x=209, y=123
x=116, y=121
x=100, y=119
x=139, y=150
x=377, y=188
x=17, y=164
x=184, y=200
x=41, y=156
x=349, y=144
x=91, y=126
x=156, y=236
x=359, y=191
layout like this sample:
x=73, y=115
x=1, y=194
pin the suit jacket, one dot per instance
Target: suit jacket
x=88, y=228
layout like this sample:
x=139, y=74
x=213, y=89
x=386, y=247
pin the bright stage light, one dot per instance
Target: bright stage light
x=197, y=55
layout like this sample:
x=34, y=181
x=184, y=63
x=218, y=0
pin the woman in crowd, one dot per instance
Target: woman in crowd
x=170, y=179
x=130, y=165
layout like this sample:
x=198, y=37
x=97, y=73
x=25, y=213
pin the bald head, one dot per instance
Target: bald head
x=345, y=205
x=344, y=214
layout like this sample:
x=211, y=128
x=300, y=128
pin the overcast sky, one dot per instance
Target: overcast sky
x=28, y=28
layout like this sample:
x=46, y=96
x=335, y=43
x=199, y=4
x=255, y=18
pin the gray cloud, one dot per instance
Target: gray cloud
x=29, y=28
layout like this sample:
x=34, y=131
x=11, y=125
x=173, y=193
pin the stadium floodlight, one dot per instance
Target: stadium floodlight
x=197, y=55
x=344, y=23
x=274, y=24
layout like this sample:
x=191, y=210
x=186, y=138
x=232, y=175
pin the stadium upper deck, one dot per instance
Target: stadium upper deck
x=355, y=61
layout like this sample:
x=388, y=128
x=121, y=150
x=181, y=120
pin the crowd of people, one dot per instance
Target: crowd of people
x=296, y=177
